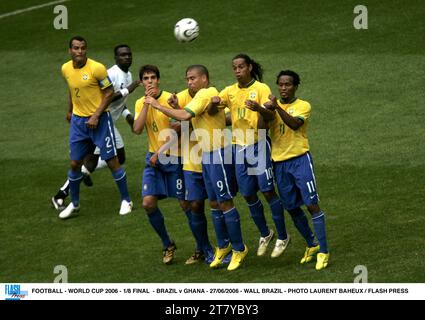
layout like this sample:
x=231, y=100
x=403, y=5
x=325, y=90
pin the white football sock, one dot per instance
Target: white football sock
x=84, y=170
x=65, y=186
x=101, y=164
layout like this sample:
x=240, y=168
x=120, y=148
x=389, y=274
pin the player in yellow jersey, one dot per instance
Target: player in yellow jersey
x=293, y=165
x=121, y=78
x=162, y=176
x=196, y=192
x=216, y=171
x=90, y=93
x=245, y=99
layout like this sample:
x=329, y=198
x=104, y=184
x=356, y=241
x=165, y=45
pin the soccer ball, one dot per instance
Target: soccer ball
x=186, y=30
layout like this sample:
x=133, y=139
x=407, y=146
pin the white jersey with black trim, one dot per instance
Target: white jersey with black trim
x=120, y=80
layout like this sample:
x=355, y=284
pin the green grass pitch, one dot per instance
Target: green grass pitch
x=367, y=134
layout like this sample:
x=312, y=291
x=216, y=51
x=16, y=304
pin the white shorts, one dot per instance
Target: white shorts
x=119, y=142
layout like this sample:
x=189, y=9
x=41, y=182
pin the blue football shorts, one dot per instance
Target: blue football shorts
x=83, y=140
x=194, y=185
x=296, y=182
x=254, y=169
x=219, y=174
x=164, y=180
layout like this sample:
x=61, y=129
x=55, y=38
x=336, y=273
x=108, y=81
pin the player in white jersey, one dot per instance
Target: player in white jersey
x=123, y=83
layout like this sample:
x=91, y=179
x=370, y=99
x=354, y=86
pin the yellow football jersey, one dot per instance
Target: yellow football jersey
x=234, y=98
x=288, y=143
x=86, y=85
x=156, y=121
x=205, y=123
x=185, y=98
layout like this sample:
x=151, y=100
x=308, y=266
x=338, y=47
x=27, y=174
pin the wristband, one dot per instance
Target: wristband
x=124, y=92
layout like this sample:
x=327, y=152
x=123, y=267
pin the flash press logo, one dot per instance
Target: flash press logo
x=14, y=292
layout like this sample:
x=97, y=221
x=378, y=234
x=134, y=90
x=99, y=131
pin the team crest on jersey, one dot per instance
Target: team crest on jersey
x=85, y=76
x=252, y=95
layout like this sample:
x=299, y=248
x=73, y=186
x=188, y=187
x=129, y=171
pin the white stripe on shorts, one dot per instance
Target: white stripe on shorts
x=312, y=173
x=111, y=133
x=224, y=173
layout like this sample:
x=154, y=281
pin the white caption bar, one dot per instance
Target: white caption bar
x=210, y=291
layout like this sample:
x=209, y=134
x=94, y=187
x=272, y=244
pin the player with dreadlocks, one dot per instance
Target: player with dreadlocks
x=252, y=159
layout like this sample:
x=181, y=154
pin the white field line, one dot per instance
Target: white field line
x=31, y=8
